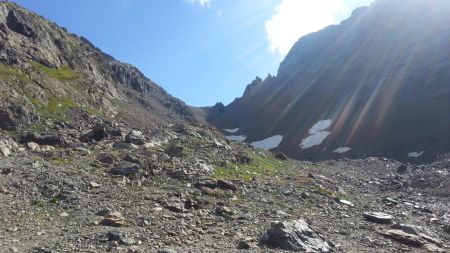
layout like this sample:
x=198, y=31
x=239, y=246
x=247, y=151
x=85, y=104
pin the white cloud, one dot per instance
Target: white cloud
x=200, y=2
x=293, y=19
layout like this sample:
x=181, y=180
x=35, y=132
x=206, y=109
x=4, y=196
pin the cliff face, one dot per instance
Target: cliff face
x=41, y=64
x=381, y=78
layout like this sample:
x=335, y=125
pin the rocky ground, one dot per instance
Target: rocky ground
x=183, y=188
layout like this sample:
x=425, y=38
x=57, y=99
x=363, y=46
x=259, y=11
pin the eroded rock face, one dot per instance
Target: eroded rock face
x=6, y=121
x=17, y=25
x=31, y=45
x=295, y=236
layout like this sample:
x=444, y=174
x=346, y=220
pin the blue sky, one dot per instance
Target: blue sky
x=201, y=51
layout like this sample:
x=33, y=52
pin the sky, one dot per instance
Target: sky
x=201, y=51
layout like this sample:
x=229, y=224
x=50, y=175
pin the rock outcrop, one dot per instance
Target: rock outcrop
x=47, y=71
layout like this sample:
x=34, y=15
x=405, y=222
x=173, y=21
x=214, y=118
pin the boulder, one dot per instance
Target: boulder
x=33, y=146
x=97, y=133
x=402, y=169
x=7, y=120
x=378, y=217
x=50, y=140
x=243, y=158
x=295, y=236
x=131, y=159
x=280, y=155
x=174, y=150
x=135, y=137
x=113, y=219
x=226, y=185
x=4, y=150
x=106, y=158
x=125, y=169
x=447, y=228
x=404, y=237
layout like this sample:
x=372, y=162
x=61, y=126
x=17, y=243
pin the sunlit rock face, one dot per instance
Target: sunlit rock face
x=382, y=78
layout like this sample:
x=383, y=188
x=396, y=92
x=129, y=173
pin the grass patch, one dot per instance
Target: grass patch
x=9, y=73
x=260, y=166
x=63, y=74
x=56, y=109
x=59, y=161
x=134, y=187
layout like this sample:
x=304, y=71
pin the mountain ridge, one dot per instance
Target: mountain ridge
x=35, y=48
x=363, y=74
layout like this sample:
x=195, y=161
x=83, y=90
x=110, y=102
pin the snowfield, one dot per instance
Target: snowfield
x=316, y=134
x=342, y=150
x=231, y=131
x=238, y=138
x=268, y=143
x=415, y=154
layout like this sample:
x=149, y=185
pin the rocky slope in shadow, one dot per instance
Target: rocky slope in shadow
x=379, y=79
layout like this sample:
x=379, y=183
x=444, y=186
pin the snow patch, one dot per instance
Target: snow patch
x=415, y=154
x=268, y=143
x=320, y=126
x=231, y=131
x=342, y=150
x=316, y=134
x=313, y=140
x=238, y=138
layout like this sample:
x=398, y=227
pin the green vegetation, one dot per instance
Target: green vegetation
x=59, y=161
x=56, y=108
x=259, y=166
x=9, y=73
x=62, y=74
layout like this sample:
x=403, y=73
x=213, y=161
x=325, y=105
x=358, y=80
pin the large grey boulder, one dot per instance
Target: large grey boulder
x=295, y=236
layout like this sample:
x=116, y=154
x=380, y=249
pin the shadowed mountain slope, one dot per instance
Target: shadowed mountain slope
x=378, y=83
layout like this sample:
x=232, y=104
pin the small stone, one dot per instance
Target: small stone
x=33, y=146
x=94, y=185
x=305, y=195
x=167, y=250
x=222, y=210
x=64, y=214
x=121, y=238
x=346, y=202
x=244, y=245
x=390, y=201
x=378, y=217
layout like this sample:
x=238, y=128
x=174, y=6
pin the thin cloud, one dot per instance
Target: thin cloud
x=293, y=19
x=205, y=3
